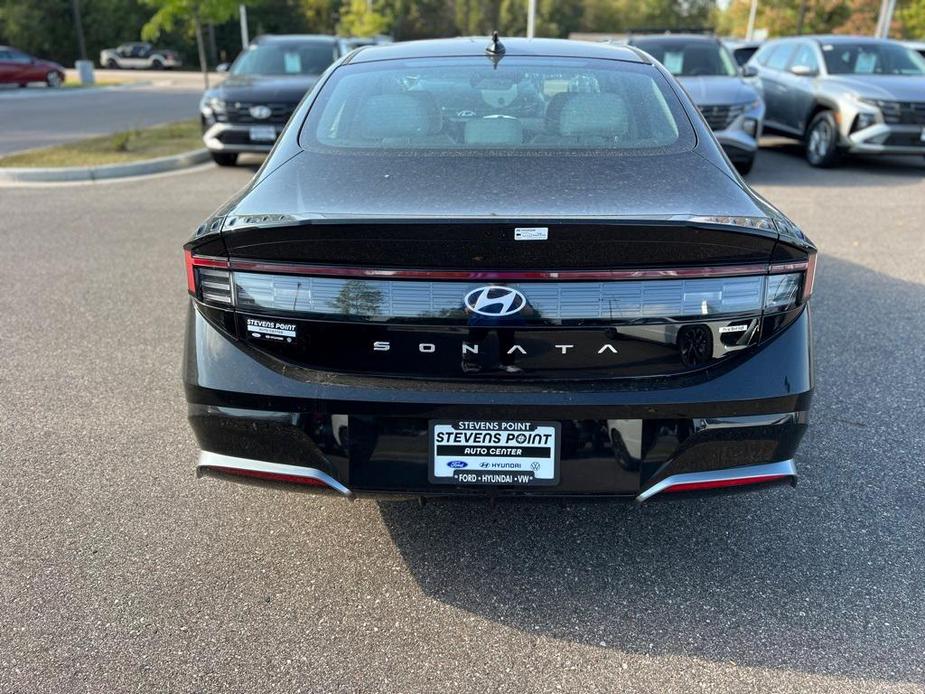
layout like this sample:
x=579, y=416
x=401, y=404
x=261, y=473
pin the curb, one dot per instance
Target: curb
x=96, y=173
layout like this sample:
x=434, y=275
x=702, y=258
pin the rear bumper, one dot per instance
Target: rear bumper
x=618, y=439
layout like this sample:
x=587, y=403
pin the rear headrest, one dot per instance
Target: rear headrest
x=554, y=111
x=494, y=131
x=602, y=115
x=399, y=115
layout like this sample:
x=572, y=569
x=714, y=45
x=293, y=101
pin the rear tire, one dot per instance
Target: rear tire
x=744, y=167
x=822, y=141
x=225, y=158
x=112, y=64
x=157, y=64
x=53, y=79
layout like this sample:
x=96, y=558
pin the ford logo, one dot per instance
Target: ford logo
x=495, y=301
x=260, y=112
x=456, y=464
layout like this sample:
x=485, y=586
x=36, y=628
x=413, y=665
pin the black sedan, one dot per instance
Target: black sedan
x=516, y=269
x=247, y=111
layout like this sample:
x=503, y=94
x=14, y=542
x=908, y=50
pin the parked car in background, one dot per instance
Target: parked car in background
x=730, y=104
x=247, y=111
x=139, y=56
x=350, y=42
x=520, y=269
x=742, y=51
x=844, y=94
x=21, y=68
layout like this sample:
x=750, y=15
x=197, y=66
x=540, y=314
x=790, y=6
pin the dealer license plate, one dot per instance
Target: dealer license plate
x=263, y=133
x=514, y=453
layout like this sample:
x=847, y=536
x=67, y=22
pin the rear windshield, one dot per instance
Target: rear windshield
x=520, y=105
x=872, y=59
x=296, y=58
x=690, y=58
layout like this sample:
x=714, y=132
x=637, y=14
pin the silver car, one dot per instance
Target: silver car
x=729, y=102
x=844, y=94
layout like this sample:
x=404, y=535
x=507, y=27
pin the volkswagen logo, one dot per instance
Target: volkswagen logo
x=260, y=112
x=495, y=301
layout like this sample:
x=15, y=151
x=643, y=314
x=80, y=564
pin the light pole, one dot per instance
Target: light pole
x=79, y=28
x=531, y=18
x=887, y=8
x=750, y=32
x=242, y=10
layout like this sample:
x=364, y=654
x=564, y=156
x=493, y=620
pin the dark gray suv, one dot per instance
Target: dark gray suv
x=724, y=93
x=844, y=94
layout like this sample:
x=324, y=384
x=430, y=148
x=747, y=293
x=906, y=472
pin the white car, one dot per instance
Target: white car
x=139, y=56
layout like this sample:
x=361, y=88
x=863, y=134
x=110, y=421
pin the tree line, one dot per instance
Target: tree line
x=46, y=28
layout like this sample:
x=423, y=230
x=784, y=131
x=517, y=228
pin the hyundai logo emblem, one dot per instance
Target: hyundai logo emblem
x=495, y=301
x=260, y=112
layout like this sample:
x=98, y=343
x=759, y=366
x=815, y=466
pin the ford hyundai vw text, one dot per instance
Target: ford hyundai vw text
x=525, y=269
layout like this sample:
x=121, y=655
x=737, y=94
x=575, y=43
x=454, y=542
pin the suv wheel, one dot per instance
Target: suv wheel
x=822, y=141
x=157, y=64
x=112, y=64
x=225, y=158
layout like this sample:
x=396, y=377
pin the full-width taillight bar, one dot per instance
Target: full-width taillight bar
x=485, y=275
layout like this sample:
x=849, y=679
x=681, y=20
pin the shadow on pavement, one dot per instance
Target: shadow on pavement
x=825, y=579
x=782, y=162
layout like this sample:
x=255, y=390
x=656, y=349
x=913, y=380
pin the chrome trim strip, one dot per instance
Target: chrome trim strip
x=782, y=268
x=208, y=261
x=752, y=420
x=209, y=460
x=784, y=467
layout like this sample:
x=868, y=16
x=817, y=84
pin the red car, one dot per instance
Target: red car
x=21, y=68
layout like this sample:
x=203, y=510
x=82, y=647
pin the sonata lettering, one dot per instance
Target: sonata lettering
x=467, y=348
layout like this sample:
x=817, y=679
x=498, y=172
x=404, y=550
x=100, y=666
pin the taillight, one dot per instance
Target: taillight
x=790, y=284
x=810, y=277
x=774, y=288
x=209, y=279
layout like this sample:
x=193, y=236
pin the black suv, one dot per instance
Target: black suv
x=249, y=109
x=526, y=270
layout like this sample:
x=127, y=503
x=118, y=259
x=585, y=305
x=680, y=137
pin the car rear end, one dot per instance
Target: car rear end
x=389, y=312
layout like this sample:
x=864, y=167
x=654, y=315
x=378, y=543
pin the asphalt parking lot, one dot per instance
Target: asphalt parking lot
x=41, y=117
x=119, y=571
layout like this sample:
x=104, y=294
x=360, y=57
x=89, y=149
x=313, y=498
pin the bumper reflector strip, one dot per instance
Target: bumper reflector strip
x=273, y=472
x=717, y=479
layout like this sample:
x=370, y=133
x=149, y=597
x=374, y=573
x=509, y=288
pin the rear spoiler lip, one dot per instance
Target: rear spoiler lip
x=750, y=224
